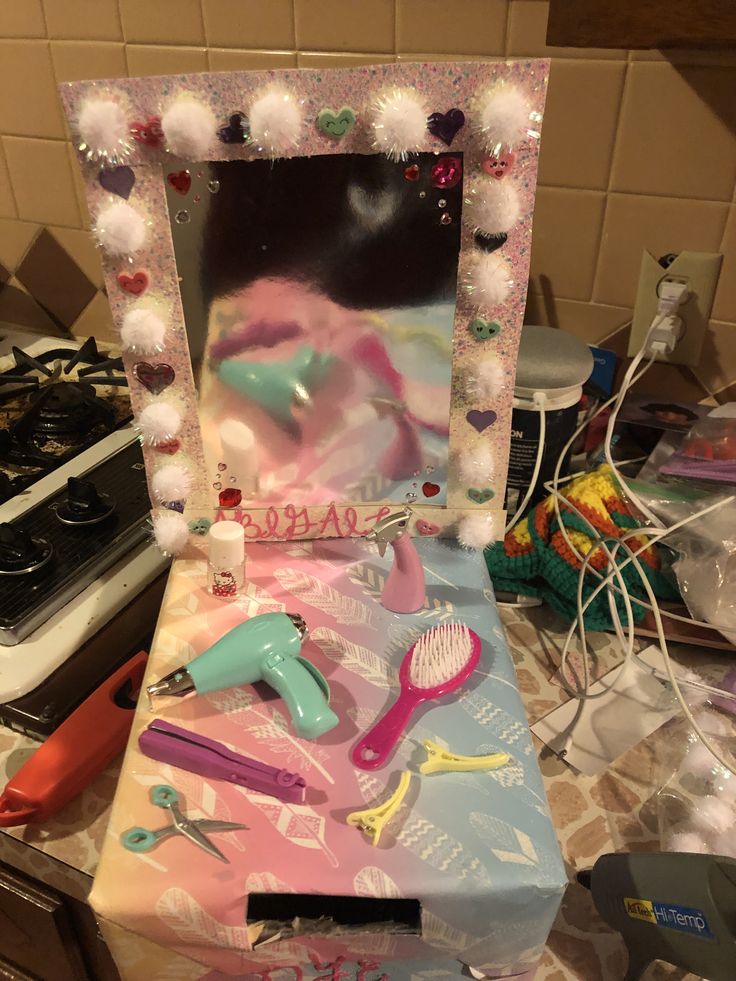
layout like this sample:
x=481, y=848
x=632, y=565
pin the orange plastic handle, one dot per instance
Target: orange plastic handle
x=71, y=757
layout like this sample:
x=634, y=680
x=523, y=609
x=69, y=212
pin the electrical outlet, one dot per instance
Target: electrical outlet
x=700, y=271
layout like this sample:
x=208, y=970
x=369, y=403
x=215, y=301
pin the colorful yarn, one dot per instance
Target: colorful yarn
x=535, y=560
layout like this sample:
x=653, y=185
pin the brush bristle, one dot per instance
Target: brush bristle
x=440, y=654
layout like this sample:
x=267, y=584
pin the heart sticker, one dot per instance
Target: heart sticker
x=429, y=489
x=426, y=527
x=481, y=495
x=236, y=131
x=230, y=498
x=180, y=180
x=135, y=284
x=199, y=526
x=489, y=243
x=119, y=180
x=169, y=447
x=336, y=124
x=148, y=133
x=481, y=419
x=411, y=173
x=483, y=330
x=500, y=165
x=154, y=377
x=446, y=125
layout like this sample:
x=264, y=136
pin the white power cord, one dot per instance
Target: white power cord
x=661, y=337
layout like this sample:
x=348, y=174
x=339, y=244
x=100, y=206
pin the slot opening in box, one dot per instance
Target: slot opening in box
x=293, y=914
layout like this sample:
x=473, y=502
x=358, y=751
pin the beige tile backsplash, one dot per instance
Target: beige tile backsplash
x=638, y=149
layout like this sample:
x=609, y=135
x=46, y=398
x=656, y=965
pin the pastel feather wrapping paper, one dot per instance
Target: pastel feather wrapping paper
x=477, y=850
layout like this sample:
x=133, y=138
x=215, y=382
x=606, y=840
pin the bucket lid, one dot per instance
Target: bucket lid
x=551, y=359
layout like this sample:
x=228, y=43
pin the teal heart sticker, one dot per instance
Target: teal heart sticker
x=200, y=526
x=336, y=124
x=481, y=495
x=484, y=330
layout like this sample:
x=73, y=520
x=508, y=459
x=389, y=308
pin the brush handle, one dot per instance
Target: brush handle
x=375, y=747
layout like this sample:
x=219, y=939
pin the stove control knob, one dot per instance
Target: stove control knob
x=19, y=553
x=83, y=505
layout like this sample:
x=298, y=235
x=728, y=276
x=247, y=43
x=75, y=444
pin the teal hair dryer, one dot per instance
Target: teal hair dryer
x=278, y=386
x=265, y=648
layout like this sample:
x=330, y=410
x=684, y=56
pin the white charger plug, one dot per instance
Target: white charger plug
x=667, y=327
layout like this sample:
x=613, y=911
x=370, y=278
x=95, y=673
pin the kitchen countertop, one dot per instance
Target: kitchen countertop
x=614, y=811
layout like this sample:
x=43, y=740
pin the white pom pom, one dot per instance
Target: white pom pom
x=503, y=118
x=159, y=422
x=476, y=465
x=485, y=379
x=399, y=123
x=687, y=841
x=711, y=812
x=142, y=332
x=476, y=530
x=276, y=122
x=726, y=845
x=171, y=532
x=120, y=229
x=492, y=207
x=171, y=483
x=189, y=127
x=104, y=131
x=489, y=280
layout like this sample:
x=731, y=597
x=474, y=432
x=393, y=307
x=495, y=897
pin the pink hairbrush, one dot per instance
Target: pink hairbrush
x=436, y=665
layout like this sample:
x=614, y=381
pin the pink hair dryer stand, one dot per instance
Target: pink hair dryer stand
x=404, y=591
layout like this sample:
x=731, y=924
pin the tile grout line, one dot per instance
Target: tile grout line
x=596, y=275
x=13, y=197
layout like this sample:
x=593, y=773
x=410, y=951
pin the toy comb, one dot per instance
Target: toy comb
x=436, y=665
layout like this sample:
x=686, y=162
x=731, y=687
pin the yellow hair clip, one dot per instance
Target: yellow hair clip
x=373, y=820
x=440, y=760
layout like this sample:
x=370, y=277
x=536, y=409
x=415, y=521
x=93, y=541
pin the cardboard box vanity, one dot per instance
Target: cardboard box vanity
x=468, y=870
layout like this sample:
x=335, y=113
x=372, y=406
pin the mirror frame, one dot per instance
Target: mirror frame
x=440, y=86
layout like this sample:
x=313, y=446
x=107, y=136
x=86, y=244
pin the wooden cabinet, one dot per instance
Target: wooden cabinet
x=45, y=936
x=642, y=23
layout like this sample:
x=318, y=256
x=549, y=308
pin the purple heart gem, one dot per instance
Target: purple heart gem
x=119, y=180
x=481, y=420
x=154, y=377
x=445, y=125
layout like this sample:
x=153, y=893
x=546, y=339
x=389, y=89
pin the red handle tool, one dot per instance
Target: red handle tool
x=71, y=758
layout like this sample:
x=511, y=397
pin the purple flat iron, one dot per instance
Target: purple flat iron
x=170, y=744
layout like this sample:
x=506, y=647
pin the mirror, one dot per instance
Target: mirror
x=319, y=298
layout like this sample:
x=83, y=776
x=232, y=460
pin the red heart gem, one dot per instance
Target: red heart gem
x=180, y=180
x=430, y=490
x=411, y=173
x=148, y=133
x=135, y=284
x=170, y=447
x=154, y=377
x=230, y=498
x=447, y=172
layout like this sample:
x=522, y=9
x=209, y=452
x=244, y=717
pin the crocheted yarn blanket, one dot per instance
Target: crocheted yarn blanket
x=534, y=559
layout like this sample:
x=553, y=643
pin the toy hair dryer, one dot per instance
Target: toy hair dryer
x=266, y=648
x=404, y=589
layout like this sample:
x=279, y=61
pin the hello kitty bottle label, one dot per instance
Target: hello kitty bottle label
x=226, y=564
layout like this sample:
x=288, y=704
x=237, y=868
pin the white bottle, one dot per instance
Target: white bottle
x=226, y=560
x=239, y=456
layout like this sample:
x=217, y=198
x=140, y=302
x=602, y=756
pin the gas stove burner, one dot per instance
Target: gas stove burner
x=21, y=554
x=63, y=409
x=53, y=405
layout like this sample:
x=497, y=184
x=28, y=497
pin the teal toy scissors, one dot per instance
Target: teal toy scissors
x=143, y=840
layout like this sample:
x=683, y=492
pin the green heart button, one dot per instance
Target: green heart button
x=483, y=330
x=481, y=495
x=336, y=124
